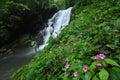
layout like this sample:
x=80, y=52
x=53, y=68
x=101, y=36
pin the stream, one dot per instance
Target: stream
x=22, y=56
x=11, y=63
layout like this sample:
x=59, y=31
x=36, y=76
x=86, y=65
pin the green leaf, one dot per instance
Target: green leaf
x=30, y=73
x=98, y=46
x=112, y=62
x=103, y=74
x=95, y=78
x=116, y=69
x=65, y=78
x=104, y=63
x=111, y=46
x=114, y=75
x=93, y=65
x=92, y=57
x=82, y=77
x=80, y=70
x=74, y=66
x=76, y=78
x=88, y=76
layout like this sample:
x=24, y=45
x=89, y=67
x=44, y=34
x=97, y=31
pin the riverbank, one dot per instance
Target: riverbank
x=10, y=63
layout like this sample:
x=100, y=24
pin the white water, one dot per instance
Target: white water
x=21, y=57
x=55, y=25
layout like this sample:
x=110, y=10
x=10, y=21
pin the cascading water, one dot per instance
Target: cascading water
x=55, y=25
x=21, y=57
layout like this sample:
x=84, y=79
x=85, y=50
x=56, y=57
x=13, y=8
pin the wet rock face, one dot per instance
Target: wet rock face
x=39, y=39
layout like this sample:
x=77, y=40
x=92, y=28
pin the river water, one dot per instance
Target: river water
x=22, y=56
x=11, y=63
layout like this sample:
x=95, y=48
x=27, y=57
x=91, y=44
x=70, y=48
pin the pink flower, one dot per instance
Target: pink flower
x=74, y=43
x=80, y=39
x=59, y=47
x=85, y=69
x=67, y=66
x=101, y=56
x=67, y=60
x=96, y=57
x=75, y=74
x=99, y=64
x=81, y=33
x=67, y=44
x=65, y=74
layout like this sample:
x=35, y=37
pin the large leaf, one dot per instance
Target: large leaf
x=95, y=78
x=88, y=76
x=103, y=74
x=112, y=62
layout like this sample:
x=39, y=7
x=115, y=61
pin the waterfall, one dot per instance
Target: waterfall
x=55, y=25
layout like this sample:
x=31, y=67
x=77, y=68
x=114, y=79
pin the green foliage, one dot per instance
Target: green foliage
x=93, y=30
x=114, y=73
x=112, y=62
x=103, y=74
x=95, y=78
x=11, y=15
x=88, y=76
x=60, y=4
